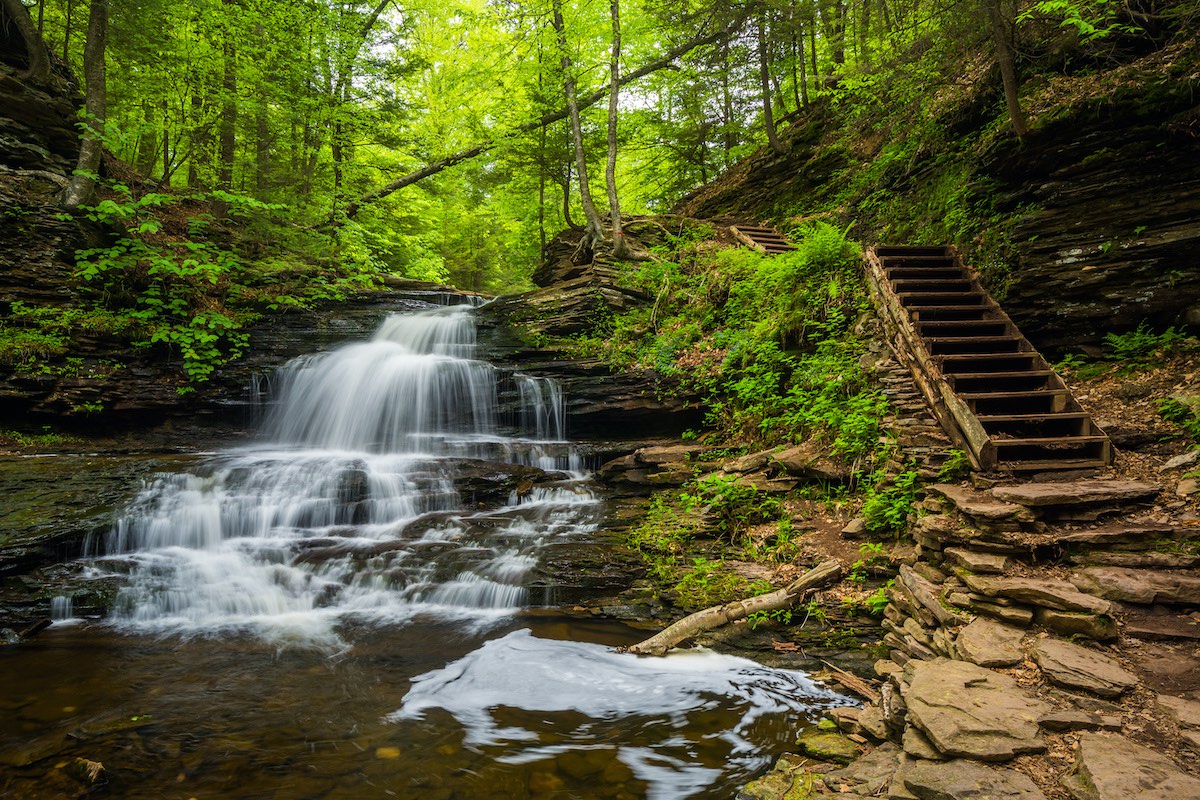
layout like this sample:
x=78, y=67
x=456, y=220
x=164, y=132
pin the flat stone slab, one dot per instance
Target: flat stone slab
x=1046, y=592
x=1100, y=627
x=968, y=711
x=1079, y=721
x=1075, y=667
x=1110, y=767
x=868, y=775
x=1145, y=586
x=976, y=561
x=990, y=644
x=1184, y=713
x=1072, y=493
x=968, y=780
x=979, y=505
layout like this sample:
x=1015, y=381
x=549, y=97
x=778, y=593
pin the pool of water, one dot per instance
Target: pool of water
x=538, y=705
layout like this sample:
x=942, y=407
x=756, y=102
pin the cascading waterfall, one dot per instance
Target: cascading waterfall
x=351, y=510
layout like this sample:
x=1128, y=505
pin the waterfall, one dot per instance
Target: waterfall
x=353, y=507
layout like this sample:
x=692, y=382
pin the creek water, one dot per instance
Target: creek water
x=347, y=610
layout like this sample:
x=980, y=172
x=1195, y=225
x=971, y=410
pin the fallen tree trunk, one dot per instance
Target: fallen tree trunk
x=715, y=617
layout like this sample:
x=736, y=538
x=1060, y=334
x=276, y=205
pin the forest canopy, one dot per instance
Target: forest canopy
x=446, y=140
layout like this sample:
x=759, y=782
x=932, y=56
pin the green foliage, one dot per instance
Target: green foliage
x=1143, y=344
x=735, y=503
x=956, y=466
x=889, y=503
x=766, y=340
x=48, y=438
x=1186, y=416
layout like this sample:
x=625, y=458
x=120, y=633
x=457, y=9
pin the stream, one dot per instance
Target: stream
x=352, y=607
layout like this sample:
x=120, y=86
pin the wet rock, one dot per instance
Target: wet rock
x=825, y=745
x=1071, y=493
x=1140, y=585
x=971, y=712
x=869, y=775
x=1075, y=667
x=787, y=781
x=1110, y=767
x=990, y=644
x=89, y=773
x=967, y=780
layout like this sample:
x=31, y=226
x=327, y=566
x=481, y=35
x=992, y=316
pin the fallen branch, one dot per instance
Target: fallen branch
x=665, y=61
x=709, y=618
x=853, y=683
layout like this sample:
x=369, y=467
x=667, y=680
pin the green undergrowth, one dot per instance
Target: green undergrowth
x=185, y=275
x=771, y=346
x=766, y=341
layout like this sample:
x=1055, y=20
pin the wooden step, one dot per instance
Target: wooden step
x=959, y=328
x=1044, y=401
x=921, y=314
x=951, y=345
x=911, y=285
x=895, y=273
x=990, y=362
x=1032, y=380
x=1066, y=423
x=896, y=251
x=1051, y=465
x=940, y=299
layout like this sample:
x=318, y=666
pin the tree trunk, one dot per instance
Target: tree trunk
x=227, y=138
x=166, y=144
x=594, y=231
x=547, y=119
x=715, y=617
x=82, y=184
x=726, y=107
x=1000, y=29
x=764, y=74
x=620, y=248
x=35, y=47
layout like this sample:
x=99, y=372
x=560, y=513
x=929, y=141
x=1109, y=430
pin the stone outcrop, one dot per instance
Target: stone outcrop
x=1111, y=767
x=971, y=712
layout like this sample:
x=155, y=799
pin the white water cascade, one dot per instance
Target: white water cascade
x=355, y=508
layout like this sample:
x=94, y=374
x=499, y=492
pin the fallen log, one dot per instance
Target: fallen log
x=715, y=617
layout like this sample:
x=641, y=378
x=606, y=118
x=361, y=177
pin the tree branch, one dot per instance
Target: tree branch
x=584, y=102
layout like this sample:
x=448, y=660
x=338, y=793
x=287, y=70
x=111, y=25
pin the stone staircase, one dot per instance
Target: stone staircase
x=991, y=390
x=762, y=238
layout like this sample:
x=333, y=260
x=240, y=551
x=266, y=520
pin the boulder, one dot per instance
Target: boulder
x=1073, y=493
x=967, y=780
x=1144, y=586
x=971, y=712
x=868, y=775
x=809, y=460
x=825, y=745
x=1075, y=667
x=1110, y=767
x=990, y=644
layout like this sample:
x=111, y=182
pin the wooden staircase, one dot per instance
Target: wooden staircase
x=761, y=238
x=991, y=390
